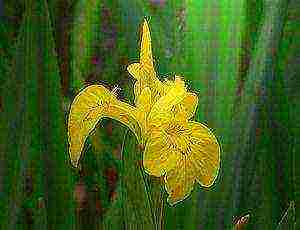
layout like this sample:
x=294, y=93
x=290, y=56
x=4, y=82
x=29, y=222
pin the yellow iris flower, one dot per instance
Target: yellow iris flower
x=179, y=149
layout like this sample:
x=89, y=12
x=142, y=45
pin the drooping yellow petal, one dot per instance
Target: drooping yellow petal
x=196, y=157
x=179, y=181
x=159, y=157
x=205, y=154
x=88, y=107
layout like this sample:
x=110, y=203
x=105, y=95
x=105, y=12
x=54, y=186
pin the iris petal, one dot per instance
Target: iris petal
x=162, y=109
x=159, y=157
x=205, y=154
x=144, y=71
x=88, y=107
x=179, y=181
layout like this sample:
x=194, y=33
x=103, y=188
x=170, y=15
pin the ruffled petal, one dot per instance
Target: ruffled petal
x=189, y=104
x=187, y=107
x=162, y=109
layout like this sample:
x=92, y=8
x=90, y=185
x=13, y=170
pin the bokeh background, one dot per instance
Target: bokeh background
x=240, y=56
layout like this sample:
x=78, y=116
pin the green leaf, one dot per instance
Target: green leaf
x=288, y=220
x=84, y=37
x=36, y=157
x=137, y=203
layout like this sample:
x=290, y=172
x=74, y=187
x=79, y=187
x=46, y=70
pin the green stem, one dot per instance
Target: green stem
x=161, y=216
x=150, y=200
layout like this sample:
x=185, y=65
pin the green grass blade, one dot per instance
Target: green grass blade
x=34, y=117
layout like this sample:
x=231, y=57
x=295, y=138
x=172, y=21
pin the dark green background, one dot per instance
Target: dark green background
x=240, y=56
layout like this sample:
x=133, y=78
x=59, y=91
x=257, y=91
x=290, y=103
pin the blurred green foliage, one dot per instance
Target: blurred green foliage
x=239, y=56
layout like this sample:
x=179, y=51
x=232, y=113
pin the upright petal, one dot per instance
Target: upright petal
x=145, y=68
x=143, y=105
x=146, y=58
x=144, y=71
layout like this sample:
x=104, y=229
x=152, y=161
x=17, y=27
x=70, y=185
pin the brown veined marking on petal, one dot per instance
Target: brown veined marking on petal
x=206, y=165
x=183, y=184
x=83, y=101
x=159, y=157
x=205, y=153
x=145, y=78
x=187, y=150
x=199, y=169
x=81, y=121
x=100, y=107
x=170, y=136
x=180, y=110
x=210, y=147
x=185, y=155
x=124, y=117
x=91, y=111
x=177, y=136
